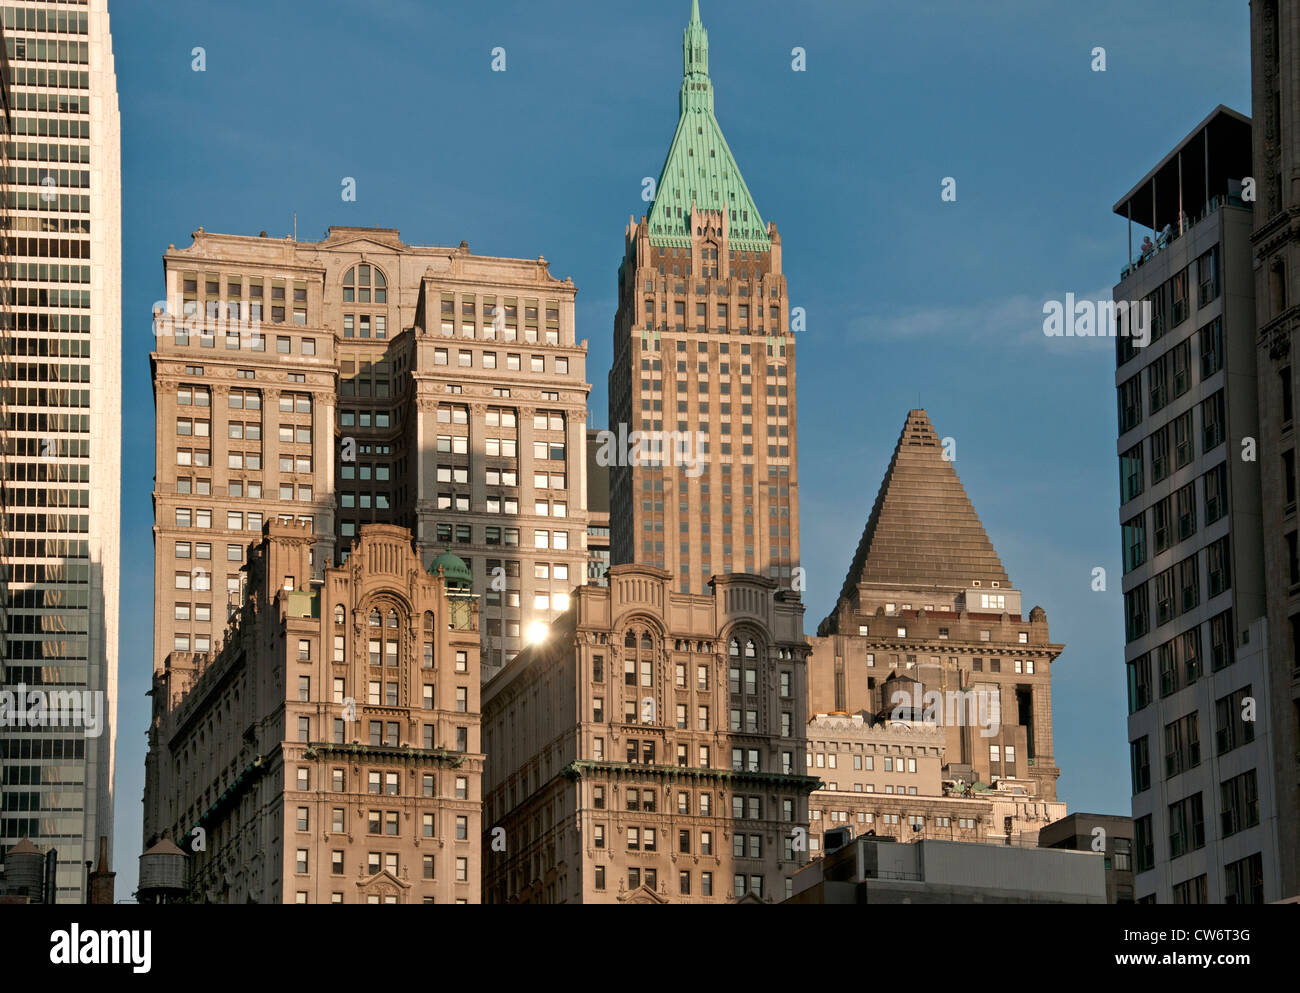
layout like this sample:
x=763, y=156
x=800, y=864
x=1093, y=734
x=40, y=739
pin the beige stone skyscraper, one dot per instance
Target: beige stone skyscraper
x=928, y=608
x=356, y=380
x=705, y=365
x=61, y=429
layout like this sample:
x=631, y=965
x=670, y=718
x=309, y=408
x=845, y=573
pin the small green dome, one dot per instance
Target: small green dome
x=454, y=571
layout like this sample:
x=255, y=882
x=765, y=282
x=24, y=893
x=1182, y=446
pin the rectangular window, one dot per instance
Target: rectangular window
x=1239, y=803
x=1131, y=473
x=1130, y=404
x=1210, y=342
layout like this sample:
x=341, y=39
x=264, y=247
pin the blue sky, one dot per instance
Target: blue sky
x=909, y=299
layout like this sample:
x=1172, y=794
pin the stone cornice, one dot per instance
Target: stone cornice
x=1276, y=333
x=1273, y=231
x=673, y=773
x=318, y=749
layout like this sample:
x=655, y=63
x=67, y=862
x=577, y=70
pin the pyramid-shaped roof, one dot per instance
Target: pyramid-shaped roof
x=923, y=531
x=700, y=169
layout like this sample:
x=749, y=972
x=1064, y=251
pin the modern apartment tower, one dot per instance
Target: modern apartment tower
x=1275, y=56
x=61, y=332
x=704, y=367
x=361, y=380
x=1205, y=815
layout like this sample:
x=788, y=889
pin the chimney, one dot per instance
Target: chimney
x=101, y=880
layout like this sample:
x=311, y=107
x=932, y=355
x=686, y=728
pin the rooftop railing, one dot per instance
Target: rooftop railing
x=1171, y=233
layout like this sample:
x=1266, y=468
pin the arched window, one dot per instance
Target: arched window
x=374, y=618
x=365, y=299
x=338, y=614
x=735, y=649
x=428, y=640
x=364, y=284
x=638, y=670
x=392, y=623
x=749, y=649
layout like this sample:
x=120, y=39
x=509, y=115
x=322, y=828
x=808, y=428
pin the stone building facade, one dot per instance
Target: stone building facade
x=927, y=598
x=649, y=750
x=361, y=380
x=330, y=751
x=889, y=776
x=704, y=363
x=1275, y=58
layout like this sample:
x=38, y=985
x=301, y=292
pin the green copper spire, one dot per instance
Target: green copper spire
x=695, y=51
x=700, y=168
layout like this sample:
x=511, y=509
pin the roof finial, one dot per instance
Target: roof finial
x=695, y=47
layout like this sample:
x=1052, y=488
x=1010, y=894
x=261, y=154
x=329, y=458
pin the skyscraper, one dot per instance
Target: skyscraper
x=704, y=367
x=1275, y=54
x=361, y=380
x=1204, y=815
x=62, y=423
x=928, y=608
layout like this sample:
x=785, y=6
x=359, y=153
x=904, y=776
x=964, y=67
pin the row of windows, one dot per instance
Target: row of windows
x=1179, y=662
x=1238, y=811
x=913, y=820
x=828, y=760
x=536, y=363
x=45, y=19
x=193, y=427
x=1176, y=590
x=638, y=876
x=494, y=447
x=201, y=517
x=1174, y=518
x=496, y=476
x=509, y=308
x=238, y=319
x=1169, y=303
x=390, y=863
x=1235, y=726
x=1172, y=446
x=653, y=386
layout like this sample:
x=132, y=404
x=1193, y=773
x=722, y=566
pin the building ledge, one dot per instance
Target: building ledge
x=676, y=773
x=317, y=749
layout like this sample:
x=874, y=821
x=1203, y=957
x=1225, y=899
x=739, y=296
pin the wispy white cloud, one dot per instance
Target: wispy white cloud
x=1012, y=321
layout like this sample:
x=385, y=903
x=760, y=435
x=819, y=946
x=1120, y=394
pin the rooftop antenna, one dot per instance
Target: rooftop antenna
x=295, y=225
